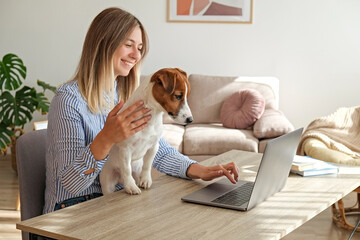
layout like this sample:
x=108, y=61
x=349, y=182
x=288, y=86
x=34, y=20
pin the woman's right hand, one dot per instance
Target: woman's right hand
x=119, y=127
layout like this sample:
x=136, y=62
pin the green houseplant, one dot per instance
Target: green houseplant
x=17, y=102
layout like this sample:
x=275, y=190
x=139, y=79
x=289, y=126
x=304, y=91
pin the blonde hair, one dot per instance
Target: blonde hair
x=95, y=74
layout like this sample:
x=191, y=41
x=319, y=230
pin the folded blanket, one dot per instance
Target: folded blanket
x=339, y=131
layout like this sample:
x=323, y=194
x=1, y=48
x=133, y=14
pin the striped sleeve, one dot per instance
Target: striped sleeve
x=169, y=161
x=74, y=155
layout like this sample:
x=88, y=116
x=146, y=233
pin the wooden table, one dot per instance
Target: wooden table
x=158, y=213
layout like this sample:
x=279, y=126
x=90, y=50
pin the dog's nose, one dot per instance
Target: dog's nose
x=189, y=120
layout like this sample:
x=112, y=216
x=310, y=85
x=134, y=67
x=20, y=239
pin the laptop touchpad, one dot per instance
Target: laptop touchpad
x=215, y=190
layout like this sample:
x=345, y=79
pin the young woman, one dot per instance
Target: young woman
x=83, y=123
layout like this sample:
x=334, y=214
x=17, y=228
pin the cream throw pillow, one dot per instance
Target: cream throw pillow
x=272, y=123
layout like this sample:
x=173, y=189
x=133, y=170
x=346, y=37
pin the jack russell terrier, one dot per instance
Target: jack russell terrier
x=166, y=92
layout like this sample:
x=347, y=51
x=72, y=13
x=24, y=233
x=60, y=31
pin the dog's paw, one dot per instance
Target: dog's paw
x=131, y=188
x=145, y=181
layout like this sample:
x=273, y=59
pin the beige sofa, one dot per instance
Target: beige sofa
x=206, y=136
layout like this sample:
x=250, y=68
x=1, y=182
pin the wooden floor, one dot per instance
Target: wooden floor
x=8, y=196
x=320, y=228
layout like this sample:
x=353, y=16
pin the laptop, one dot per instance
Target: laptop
x=271, y=178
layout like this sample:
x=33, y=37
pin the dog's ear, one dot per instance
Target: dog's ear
x=165, y=78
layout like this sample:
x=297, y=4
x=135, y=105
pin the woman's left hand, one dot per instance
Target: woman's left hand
x=230, y=170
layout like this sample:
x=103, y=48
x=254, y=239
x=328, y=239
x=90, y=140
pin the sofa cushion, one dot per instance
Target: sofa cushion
x=262, y=144
x=272, y=123
x=214, y=139
x=174, y=135
x=242, y=109
x=209, y=92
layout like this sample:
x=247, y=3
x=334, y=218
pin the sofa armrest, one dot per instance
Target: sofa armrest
x=272, y=123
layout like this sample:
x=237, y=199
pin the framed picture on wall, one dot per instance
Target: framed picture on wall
x=210, y=11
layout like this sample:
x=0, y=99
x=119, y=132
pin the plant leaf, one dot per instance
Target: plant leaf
x=42, y=103
x=17, y=111
x=46, y=86
x=12, y=72
x=6, y=100
x=5, y=134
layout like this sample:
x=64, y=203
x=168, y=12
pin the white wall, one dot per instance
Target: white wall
x=313, y=47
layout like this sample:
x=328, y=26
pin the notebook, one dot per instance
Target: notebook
x=271, y=178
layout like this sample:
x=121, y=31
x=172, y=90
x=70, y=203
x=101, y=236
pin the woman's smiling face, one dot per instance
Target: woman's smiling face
x=128, y=53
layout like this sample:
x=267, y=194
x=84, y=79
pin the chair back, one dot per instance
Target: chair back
x=30, y=158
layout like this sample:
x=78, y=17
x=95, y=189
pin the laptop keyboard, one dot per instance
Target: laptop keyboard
x=236, y=197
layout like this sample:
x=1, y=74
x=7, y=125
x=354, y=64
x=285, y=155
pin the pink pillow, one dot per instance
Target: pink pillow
x=242, y=109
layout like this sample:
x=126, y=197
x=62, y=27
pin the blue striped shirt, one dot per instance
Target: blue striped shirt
x=71, y=129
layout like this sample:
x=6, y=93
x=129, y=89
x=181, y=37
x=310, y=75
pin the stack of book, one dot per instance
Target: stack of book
x=307, y=166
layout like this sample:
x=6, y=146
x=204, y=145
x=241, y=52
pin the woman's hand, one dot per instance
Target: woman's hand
x=119, y=127
x=230, y=170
